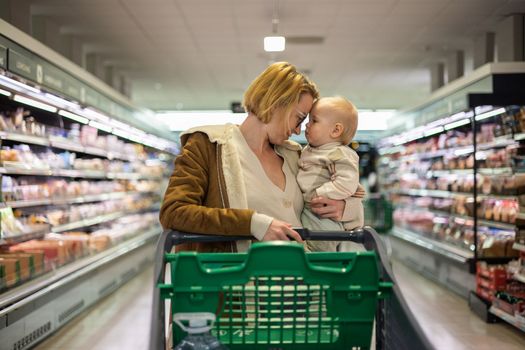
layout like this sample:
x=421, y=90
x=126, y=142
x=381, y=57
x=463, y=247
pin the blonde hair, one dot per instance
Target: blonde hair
x=345, y=113
x=279, y=86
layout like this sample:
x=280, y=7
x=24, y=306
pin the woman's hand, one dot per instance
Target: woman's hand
x=328, y=208
x=281, y=231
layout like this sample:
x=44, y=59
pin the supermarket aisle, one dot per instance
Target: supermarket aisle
x=121, y=321
x=446, y=319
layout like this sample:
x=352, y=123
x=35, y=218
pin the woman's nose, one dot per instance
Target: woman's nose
x=297, y=130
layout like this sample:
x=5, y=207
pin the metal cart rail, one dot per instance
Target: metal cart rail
x=396, y=327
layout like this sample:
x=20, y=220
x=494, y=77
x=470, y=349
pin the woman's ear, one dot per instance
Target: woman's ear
x=337, y=131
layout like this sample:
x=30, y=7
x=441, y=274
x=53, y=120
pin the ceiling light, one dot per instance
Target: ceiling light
x=274, y=43
x=73, y=116
x=34, y=103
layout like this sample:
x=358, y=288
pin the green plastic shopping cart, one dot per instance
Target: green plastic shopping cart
x=276, y=296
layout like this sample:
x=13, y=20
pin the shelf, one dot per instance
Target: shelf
x=444, y=249
x=64, y=144
x=88, y=222
x=60, y=275
x=99, y=219
x=34, y=140
x=519, y=277
x=439, y=173
x=520, y=247
x=490, y=223
x=508, y=318
x=72, y=200
x=482, y=171
x=88, y=174
x=457, y=151
x=448, y=194
x=34, y=234
x=519, y=136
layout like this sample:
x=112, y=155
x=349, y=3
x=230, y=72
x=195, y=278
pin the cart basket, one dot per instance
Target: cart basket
x=276, y=296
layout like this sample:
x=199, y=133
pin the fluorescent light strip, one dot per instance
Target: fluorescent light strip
x=34, y=103
x=457, y=124
x=16, y=84
x=61, y=101
x=100, y=126
x=96, y=115
x=466, y=150
x=5, y=93
x=73, y=116
x=490, y=114
x=433, y=131
x=120, y=133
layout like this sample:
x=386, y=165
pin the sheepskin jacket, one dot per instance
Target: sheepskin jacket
x=207, y=183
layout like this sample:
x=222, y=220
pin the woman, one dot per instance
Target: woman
x=240, y=180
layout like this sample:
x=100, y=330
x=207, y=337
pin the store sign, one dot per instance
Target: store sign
x=3, y=56
x=72, y=89
x=54, y=79
x=22, y=65
x=91, y=97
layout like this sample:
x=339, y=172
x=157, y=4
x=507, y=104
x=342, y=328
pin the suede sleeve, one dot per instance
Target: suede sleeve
x=193, y=201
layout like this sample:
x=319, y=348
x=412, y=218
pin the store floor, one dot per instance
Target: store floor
x=121, y=321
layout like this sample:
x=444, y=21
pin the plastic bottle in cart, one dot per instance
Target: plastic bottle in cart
x=198, y=328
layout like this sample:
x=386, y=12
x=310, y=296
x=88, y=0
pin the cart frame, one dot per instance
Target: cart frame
x=396, y=327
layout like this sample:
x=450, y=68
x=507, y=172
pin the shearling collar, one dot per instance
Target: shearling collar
x=220, y=134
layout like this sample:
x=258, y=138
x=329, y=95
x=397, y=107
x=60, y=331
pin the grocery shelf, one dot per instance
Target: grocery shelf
x=495, y=224
x=519, y=136
x=520, y=247
x=38, y=232
x=439, y=173
x=88, y=222
x=448, y=194
x=508, y=318
x=88, y=174
x=58, y=275
x=32, y=311
x=72, y=200
x=519, y=277
x=444, y=249
x=34, y=140
x=461, y=150
x=64, y=144
x=98, y=219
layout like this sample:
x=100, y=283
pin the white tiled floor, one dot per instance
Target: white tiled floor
x=121, y=321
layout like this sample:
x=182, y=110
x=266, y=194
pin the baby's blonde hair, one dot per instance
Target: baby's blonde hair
x=345, y=113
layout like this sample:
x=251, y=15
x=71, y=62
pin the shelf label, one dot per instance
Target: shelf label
x=3, y=56
x=22, y=65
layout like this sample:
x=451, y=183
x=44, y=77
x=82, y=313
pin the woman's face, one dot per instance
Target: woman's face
x=282, y=126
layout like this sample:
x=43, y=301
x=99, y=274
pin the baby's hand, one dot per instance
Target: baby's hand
x=328, y=208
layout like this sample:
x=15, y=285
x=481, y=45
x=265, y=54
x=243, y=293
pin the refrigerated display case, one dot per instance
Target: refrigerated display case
x=81, y=183
x=457, y=182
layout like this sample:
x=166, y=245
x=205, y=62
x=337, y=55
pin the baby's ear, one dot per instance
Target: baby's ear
x=337, y=130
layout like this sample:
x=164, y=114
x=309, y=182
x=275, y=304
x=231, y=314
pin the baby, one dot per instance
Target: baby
x=329, y=168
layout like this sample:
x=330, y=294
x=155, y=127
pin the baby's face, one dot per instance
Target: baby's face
x=320, y=125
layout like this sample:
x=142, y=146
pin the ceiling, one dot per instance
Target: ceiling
x=202, y=54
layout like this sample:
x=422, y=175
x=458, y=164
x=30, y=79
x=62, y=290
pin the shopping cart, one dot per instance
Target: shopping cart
x=277, y=297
